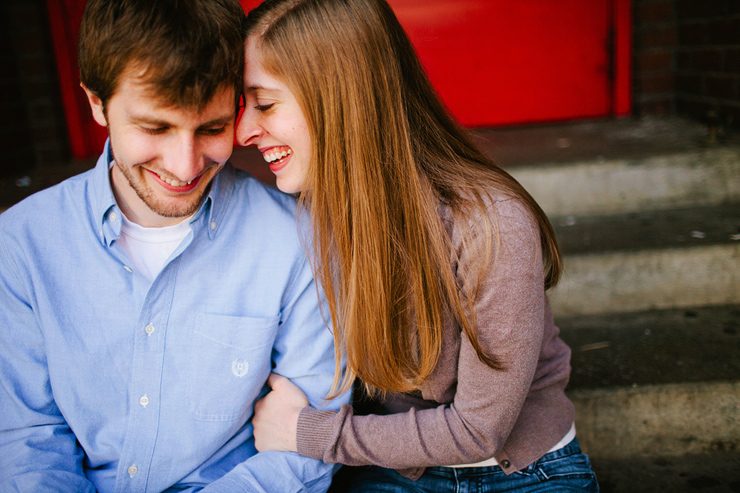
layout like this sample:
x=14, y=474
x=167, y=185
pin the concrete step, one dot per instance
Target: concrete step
x=702, y=177
x=617, y=166
x=653, y=348
x=596, y=140
x=712, y=472
x=676, y=228
x=656, y=384
x=649, y=260
x=671, y=421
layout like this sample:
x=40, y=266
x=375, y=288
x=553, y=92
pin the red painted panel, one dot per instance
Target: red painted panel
x=502, y=61
x=493, y=62
x=497, y=62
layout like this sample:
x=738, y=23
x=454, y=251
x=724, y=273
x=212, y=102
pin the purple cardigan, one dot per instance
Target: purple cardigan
x=467, y=412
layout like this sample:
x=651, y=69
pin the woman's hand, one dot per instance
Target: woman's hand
x=276, y=416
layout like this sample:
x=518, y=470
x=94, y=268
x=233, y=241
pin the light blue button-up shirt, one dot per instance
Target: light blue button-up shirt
x=111, y=383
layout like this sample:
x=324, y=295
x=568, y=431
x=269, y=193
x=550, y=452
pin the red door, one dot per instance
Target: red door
x=497, y=62
x=493, y=62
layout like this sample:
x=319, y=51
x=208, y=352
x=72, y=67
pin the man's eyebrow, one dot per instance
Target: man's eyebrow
x=163, y=123
x=220, y=121
x=148, y=119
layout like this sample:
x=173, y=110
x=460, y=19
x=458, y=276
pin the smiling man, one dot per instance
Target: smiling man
x=145, y=302
x=165, y=155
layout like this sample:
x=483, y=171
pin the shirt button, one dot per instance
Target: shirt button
x=149, y=329
x=505, y=463
x=213, y=225
x=132, y=470
x=113, y=216
x=144, y=400
x=128, y=269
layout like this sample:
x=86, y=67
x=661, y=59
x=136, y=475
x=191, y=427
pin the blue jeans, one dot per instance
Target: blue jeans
x=566, y=469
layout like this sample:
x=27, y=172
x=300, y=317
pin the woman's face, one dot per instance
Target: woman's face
x=273, y=121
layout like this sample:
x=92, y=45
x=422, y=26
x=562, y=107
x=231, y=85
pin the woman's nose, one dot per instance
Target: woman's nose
x=248, y=129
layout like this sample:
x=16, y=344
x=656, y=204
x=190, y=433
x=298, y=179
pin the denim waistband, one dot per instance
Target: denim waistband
x=571, y=449
x=492, y=461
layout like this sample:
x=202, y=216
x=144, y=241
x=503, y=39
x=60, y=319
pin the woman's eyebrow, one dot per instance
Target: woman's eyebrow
x=262, y=88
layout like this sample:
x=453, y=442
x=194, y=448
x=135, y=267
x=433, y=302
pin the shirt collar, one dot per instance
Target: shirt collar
x=107, y=214
x=212, y=212
x=103, y=203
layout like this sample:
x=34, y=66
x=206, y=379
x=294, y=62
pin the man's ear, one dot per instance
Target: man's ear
x=96, y=104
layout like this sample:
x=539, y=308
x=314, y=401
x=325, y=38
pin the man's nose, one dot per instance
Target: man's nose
x=183, y=159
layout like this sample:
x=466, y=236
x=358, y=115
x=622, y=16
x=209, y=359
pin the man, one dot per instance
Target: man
x=145, y=302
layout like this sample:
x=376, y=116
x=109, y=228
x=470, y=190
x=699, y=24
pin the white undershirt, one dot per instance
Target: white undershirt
x=149, y=248
x=562, y=443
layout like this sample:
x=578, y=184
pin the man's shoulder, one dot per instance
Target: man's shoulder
x=263, y=199
x=261, y=218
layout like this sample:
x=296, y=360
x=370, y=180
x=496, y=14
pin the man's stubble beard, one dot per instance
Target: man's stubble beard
x=152, y=201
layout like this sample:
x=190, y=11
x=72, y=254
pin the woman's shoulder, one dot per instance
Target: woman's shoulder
x=503, y=212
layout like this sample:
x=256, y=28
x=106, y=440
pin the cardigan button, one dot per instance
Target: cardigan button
x=505, y=463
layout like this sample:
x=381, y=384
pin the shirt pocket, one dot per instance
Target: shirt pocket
x=231, y=359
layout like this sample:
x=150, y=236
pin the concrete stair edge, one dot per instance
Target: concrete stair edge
x=700, y=177
x=658, y=420
x=650, y=279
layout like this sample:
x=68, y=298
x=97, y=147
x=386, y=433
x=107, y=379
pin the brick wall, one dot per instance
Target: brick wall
x=32, y=127
x=687, y=59
x=654, y=55
x=708, y=59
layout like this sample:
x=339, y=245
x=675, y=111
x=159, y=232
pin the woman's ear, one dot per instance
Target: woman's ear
x=96, y=104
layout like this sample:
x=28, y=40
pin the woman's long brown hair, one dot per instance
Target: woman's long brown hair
x=386, y=155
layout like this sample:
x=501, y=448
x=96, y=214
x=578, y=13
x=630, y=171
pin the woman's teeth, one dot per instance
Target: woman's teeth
x=274, y=156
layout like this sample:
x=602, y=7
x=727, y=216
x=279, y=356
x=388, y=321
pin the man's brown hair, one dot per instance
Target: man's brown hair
x=186, y=50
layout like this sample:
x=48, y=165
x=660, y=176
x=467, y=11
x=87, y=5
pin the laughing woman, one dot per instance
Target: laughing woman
x=434, y=260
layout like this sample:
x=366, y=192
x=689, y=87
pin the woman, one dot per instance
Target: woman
x=435, y=264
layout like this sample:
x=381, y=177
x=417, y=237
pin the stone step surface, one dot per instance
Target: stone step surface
x=617, y=166
x=704, y=177
x=596, y=140
x=712, y=472
x=649, y=260
x=658, y=420
x=648, y=230
x=644, y=280
x=656, y=384
x=656, y=347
